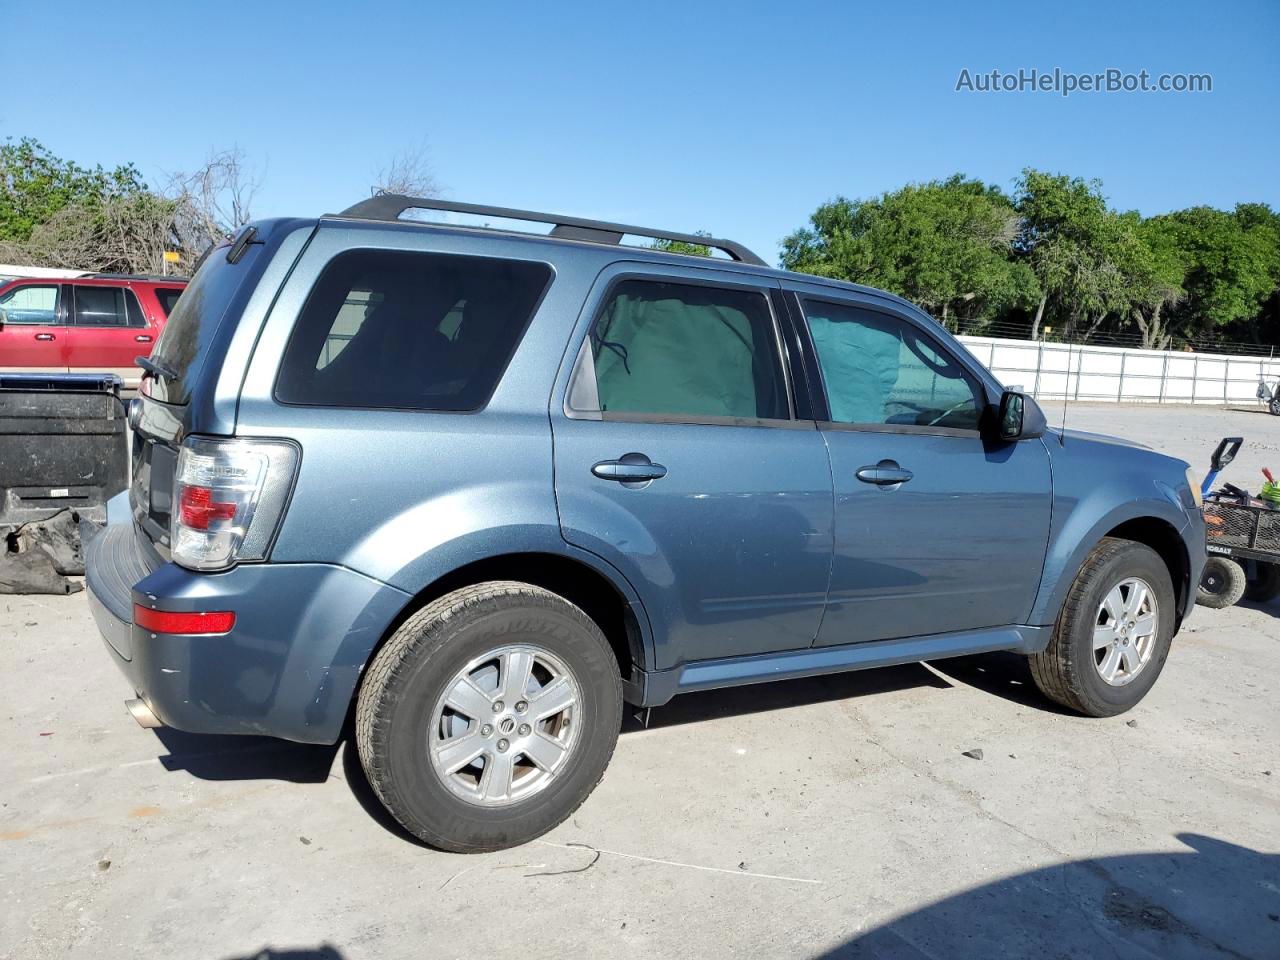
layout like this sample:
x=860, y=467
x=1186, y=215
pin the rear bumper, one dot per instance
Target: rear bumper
x=287, y=669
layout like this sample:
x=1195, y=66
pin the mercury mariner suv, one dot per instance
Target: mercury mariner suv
x=465, y=491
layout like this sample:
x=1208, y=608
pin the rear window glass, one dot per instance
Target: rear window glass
x=421, y=331
x=167, y=297
x=190, y=329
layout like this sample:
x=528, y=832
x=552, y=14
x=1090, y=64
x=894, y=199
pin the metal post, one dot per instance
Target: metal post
x=1035, y=391
x=1226, y=382
x=1195, y=376
x=1164, y=375
x=1124, y=355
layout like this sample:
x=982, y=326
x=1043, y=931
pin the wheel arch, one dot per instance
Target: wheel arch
x=1165, y=540
x=602, y=593
x=1151, y=523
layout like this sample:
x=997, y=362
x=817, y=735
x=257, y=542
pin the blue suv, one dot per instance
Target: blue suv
x=464, y=491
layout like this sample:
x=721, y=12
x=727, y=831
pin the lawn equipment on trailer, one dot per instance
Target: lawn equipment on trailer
x=1242, y=536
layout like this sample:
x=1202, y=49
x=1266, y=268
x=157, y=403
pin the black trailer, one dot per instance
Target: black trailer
x=63, y=455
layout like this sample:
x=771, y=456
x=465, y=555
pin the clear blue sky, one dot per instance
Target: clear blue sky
x=735, y=118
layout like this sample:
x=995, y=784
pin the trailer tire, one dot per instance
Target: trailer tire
x=1222, y=583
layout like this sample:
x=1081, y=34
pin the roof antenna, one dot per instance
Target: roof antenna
x=1066, y=397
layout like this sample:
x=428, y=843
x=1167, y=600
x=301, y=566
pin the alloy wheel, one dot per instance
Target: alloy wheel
x=1125, y=631
x=505, y=726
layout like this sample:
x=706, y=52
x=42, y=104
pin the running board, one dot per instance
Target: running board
x=655, y=689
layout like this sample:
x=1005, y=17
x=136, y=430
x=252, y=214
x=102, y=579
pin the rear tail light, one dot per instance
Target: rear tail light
x=229, y=497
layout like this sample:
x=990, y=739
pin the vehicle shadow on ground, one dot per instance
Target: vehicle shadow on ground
x=262, y=758
x=245, y=758
x=322, y=952
x=779, y=694
x=1269, y=607
x=1003, y=674
x=1216, y=899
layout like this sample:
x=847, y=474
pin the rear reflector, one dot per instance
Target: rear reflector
x=163, y=621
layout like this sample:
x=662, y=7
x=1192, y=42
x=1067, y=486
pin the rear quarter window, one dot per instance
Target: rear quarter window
x=420, y=331
x=167, y=297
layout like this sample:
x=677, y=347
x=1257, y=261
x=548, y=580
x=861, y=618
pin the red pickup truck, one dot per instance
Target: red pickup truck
x=91, y=324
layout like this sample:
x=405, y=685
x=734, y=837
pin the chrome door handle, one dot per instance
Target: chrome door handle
x=143, y=338
x=45, y=336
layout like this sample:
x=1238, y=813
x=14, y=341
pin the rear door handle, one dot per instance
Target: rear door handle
x=45, y=336
x=629, y=468
x=143, y=338
x=883, y=474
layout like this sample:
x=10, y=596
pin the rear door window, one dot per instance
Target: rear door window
x=31, y=304
x=105, y=307
x=423, y=331
x=687, y=351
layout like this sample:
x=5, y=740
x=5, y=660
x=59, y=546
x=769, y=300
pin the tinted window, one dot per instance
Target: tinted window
x=167, y=297
x=30, y=304
x=882, y=370
x=687, y=350
x=410, y=330
x=100, y=307
x=136, y=319
x=187, y=336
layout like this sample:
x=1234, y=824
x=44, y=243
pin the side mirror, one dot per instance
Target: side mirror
x=1019, y=417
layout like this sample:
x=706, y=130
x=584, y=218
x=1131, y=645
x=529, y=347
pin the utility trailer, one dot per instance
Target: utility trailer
x=1242, y=537
x=63, y=455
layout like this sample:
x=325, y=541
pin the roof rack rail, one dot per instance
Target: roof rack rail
x=389, y=206
x=132, y=276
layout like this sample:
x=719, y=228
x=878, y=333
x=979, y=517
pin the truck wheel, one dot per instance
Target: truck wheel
x=489, y=716
x=1265, y=585
x=1222, y=583
x=1112, y=637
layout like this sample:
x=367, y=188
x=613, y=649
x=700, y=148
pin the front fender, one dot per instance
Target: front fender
x=1083, y=527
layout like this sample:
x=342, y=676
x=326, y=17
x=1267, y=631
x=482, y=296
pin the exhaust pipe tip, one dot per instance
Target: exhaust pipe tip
x=139, y=710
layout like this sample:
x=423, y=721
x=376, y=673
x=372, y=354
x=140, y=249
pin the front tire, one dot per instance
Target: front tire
x=1274, y=406
x=1222, y=583
x=489, y=716
x=1113, y=634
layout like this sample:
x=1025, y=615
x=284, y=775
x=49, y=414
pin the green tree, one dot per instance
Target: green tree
x=35, y=185
x=683, y=246
x=944, y=245
x=1230, y=263
x=1073, y=243
x=1159, y=287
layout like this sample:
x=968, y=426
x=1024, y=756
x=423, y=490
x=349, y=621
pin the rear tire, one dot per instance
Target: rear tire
x=489, y=716
x=1265, y=585
x=1274, y=406
x=1222, y=583
x=1122, y=597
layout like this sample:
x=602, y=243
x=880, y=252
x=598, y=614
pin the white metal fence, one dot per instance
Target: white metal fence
x=1121, y=375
